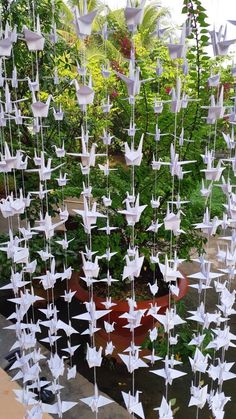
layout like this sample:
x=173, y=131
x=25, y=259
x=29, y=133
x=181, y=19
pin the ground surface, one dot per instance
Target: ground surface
x=113, y=377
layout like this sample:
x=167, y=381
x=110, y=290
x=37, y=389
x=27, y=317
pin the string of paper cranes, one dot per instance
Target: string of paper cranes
x=16, y=163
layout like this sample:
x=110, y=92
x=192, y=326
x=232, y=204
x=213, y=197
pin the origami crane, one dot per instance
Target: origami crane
x=133, y=213
x=70, y=349
x=8, y=37
x=56, y=365
x=25, y=300
x=64, y=243
x=152, y=358
x=221, y=372
x=132, y=403
x=207, y=226
x=132, y=361
x=106, y=106
x=57, y=408
x=170, y=274
x=213, y=80
x=83, y=23
x=217, y=401
x=96, y=401
x=58, y=115
x=94, y=356
x=84, y=93
x=222, y=339
x=133, y=265
x=88, y=158
x=216, y=108
x=133, y=82
x=45, y=171
x=133, y=317
x=109, y=348
x=92, y=314
x=165, y=411
x=107, y=201
x=153, y=288
x=107, y=137
x=34, y=39
x=16, y=283
x=134, y=157
x=199, y=362
x=89, y=216
x=198, y=396
x=169, y=374
x=178, y=50
x=40, y=109
x=219, y=43
x=169, y=319
x=46, y=226
x=134, y=15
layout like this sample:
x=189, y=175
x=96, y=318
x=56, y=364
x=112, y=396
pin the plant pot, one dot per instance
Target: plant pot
x=122, y=335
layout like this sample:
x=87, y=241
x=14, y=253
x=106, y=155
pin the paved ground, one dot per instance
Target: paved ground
x=73, y=390
x=191, y=299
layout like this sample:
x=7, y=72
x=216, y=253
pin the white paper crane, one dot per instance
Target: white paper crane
x=132, y=361
x=169, y=374
x=58, y=408
x=107, y=137
x=214, y=80
x=216, y=109
x=40, y=109
x=133, y=213
x=92, y=315
x=178, y=50
x=132, y=403
x=133, y=82
x=170, y=273
x=165, y=411
x=89, y=216
x=134, y=157
x=94, y=356
x=217, y=401
x=170, y=319
x=199, y=362
x=7, y=39
x=219, y=42
x=84, y=93
x=96, y=401
x=221, y=372
x=133, y=266
x=83, y=23
x=34, y=39
x=56, y=365
x=152, y=358
x=134, y=15
x=16, y=283
x=198, y=396
x=88, y=157
x=64, y=243
x=49, y=279
x=70, y=349
x=25, y=300
x=46, y=225
x=222, y=339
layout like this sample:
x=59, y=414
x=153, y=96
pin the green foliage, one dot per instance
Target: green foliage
x=182, y=350
x=5, y=263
